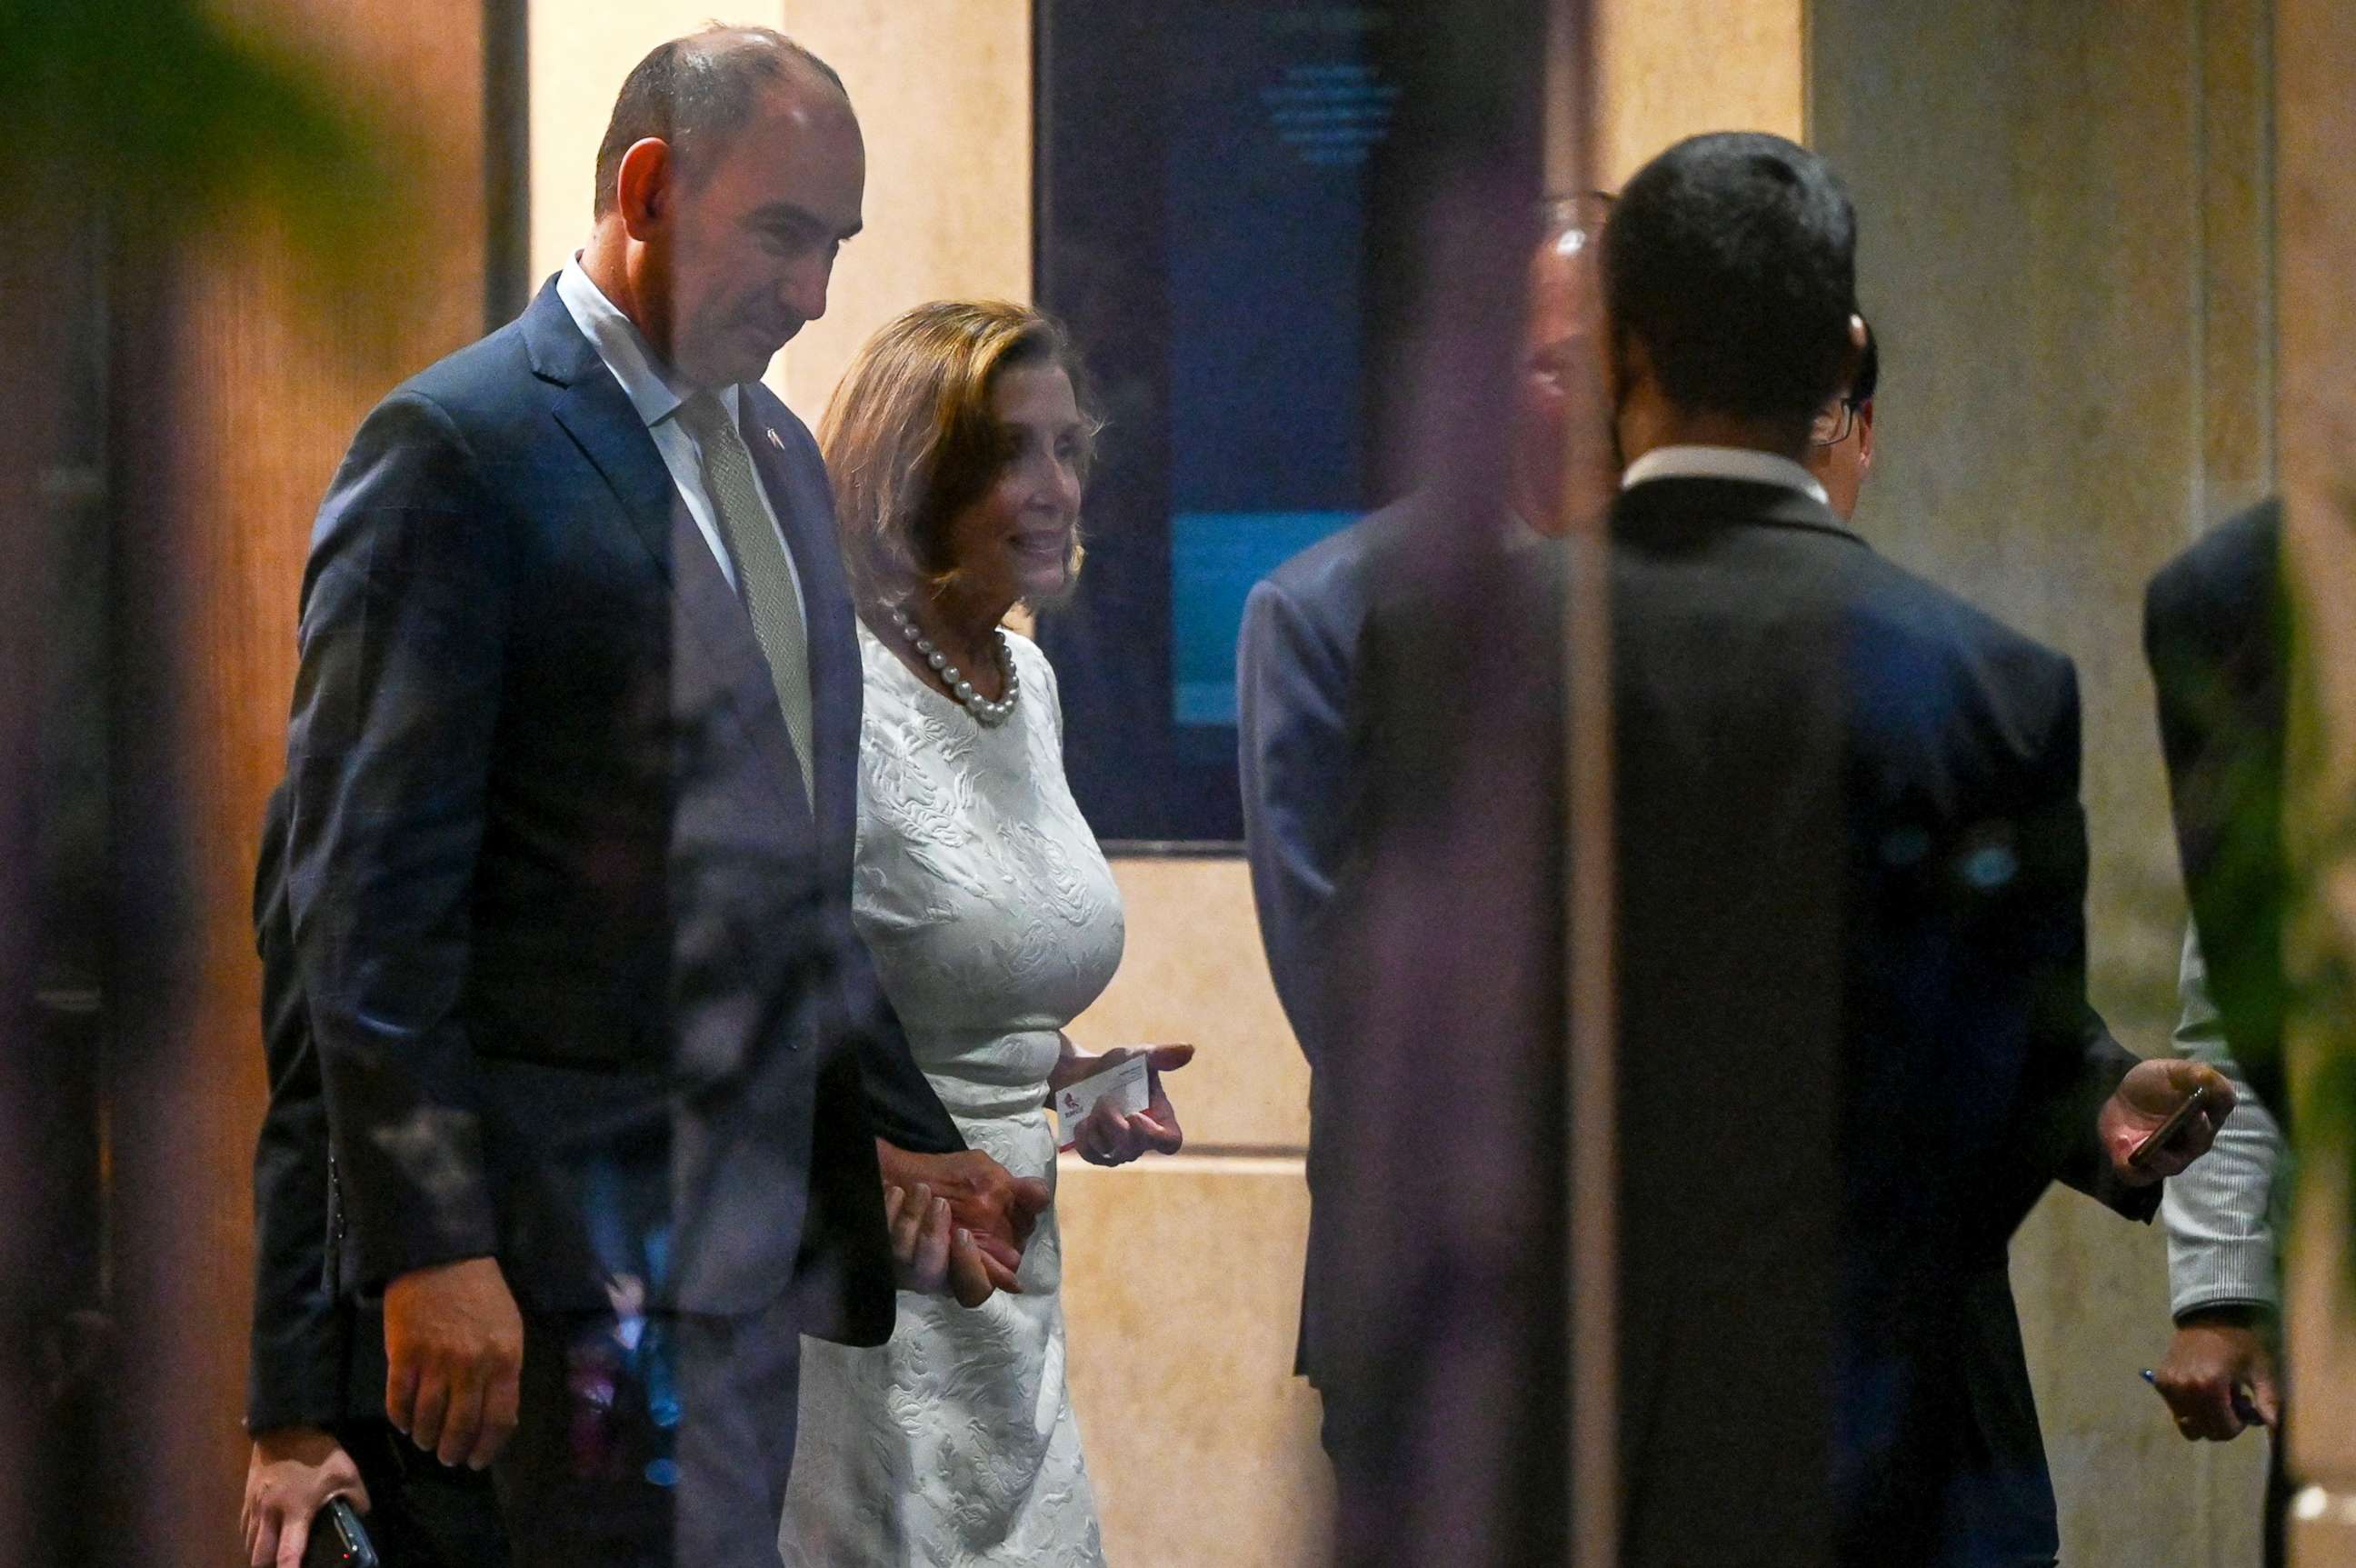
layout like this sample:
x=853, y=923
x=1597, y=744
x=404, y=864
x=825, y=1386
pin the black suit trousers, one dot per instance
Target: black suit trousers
x=423, y=1513
x=652, y=1439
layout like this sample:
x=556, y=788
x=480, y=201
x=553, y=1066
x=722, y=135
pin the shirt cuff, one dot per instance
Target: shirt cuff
x=2225, y=1273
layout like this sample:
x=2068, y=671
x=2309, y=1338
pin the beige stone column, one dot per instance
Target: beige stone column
x=1672, y=69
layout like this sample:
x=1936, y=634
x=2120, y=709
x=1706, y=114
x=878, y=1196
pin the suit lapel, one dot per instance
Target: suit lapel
x=710, y=619
x=599, y=417
x=592, y=407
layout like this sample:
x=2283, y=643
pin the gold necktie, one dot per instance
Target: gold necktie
x=764, y=576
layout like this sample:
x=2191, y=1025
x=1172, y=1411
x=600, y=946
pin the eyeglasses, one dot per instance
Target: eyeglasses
x=1833, y=425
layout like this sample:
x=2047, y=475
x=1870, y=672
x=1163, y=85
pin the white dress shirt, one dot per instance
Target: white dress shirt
x=656, y=398
x=1723, y=463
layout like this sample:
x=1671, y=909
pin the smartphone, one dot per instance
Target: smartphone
x=2157, y=1138
x=338, y=1540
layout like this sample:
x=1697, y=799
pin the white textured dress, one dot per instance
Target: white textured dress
x=994, y=921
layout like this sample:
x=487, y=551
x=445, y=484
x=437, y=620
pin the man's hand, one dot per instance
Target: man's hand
x=997, y=1209
x=930, y=1252
x=2215, y=1357
x=294, y=1471
x=455, y=1342
x=1109, y=1137
x=2146, y=1098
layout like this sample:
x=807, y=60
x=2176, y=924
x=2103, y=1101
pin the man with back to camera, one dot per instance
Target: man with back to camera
x=2211, y=627
x=1855, y=1046
x=570, y=777
x=1840, y=453
x=1295, y=653
x=1797, y=715
x=1297, y=675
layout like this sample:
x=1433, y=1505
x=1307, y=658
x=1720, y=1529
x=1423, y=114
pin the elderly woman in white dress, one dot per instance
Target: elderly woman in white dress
x=957, y=445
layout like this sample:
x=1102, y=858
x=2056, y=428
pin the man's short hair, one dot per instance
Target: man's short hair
x=692, y=92
x=1732, y=259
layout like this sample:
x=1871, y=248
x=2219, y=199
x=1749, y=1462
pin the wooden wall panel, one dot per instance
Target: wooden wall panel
x=248, y=350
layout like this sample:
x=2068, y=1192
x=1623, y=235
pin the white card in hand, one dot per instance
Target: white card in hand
x=1123, y=1083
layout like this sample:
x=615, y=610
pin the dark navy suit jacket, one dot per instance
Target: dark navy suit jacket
x=1295, y=666
x=577, y=950
x=1854, y=1045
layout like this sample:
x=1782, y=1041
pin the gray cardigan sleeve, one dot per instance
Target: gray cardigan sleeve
x=2220, y=1214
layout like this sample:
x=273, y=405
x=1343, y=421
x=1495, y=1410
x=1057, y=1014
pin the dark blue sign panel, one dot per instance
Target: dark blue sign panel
x=1203, y=190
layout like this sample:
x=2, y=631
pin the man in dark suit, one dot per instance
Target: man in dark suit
x=1295, y=656
x=1297, y=673
x=1855, y=1046
x=1853, y=800
x=572, y=771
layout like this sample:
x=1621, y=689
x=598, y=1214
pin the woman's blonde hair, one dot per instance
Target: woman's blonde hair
x=910, y=439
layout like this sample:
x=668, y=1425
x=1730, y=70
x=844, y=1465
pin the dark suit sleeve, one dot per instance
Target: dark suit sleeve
x=396, y=706
x=2074, y=1064
x=294, y=1377
x=1292, y=697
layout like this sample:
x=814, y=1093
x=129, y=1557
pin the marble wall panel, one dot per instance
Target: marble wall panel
x=1194, y=972
x=1181, y=1291
x=943, y=92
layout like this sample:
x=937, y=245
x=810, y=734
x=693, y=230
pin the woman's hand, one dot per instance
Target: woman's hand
x=930, y=1254
x=1107, y=1137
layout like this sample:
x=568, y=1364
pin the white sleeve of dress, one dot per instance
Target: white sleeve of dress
x=2219, y=1213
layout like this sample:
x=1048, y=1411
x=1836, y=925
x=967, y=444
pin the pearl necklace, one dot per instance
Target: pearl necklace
x=985, y=711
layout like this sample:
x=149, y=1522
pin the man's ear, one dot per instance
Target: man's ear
x=1865, y=435
x=1852, y=353
x=642, y=186
x=1625, y=366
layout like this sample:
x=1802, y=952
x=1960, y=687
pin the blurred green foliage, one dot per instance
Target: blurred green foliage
x=165, y=115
